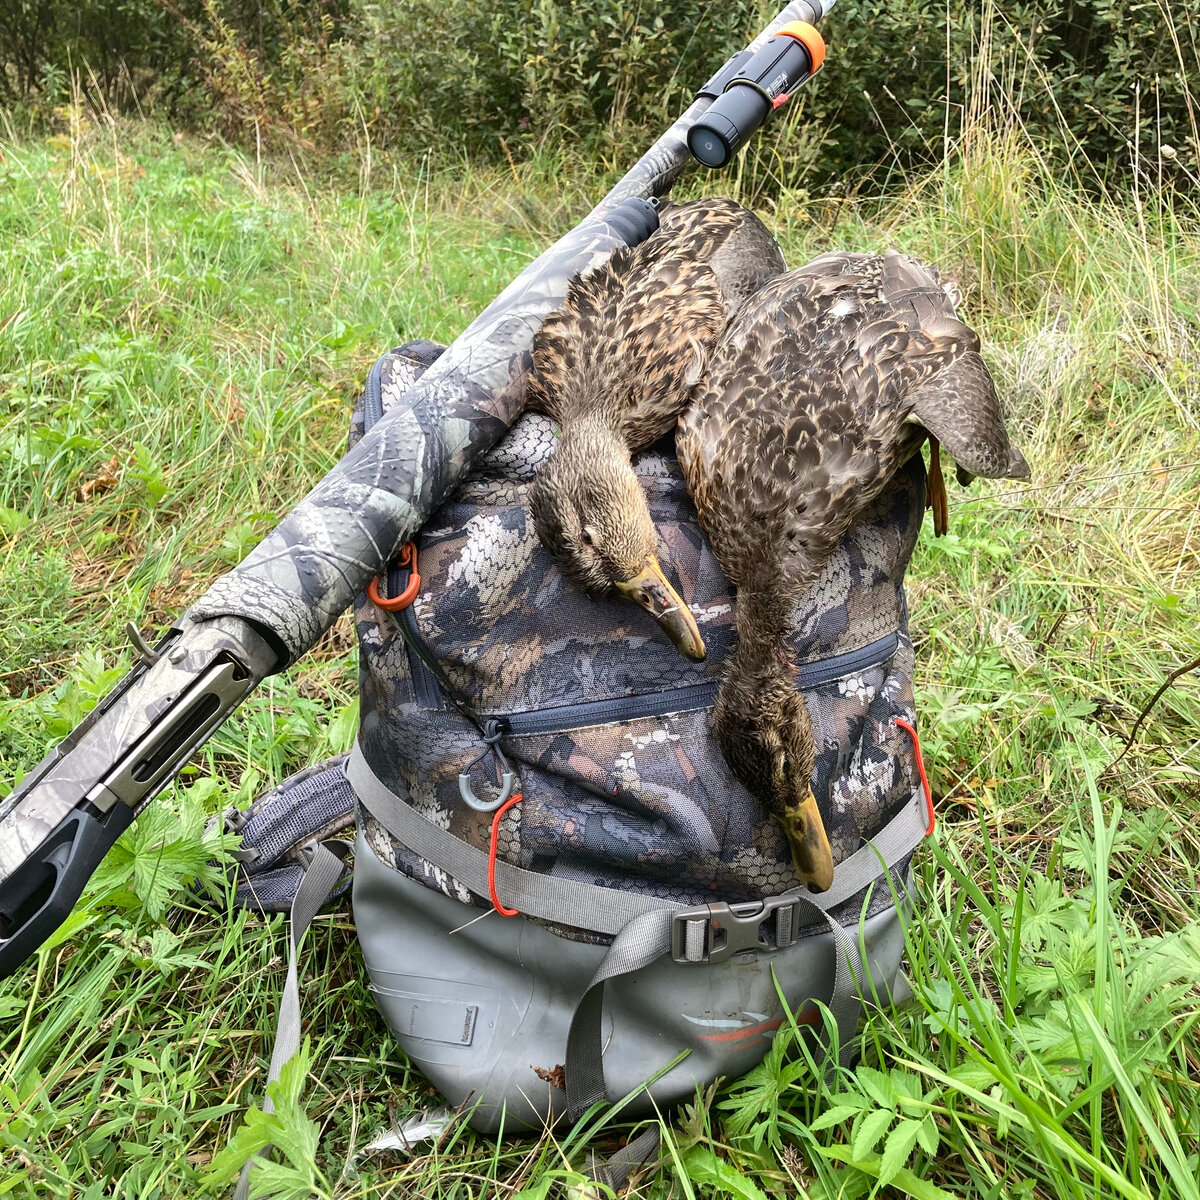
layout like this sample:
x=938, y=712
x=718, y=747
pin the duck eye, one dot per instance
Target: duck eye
x=786, y=764
x=587, y=537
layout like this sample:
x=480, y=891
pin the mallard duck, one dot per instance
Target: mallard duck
x=827, y=382
x=614, y=367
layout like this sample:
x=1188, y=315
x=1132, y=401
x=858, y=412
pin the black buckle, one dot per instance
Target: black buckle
x=731, y=929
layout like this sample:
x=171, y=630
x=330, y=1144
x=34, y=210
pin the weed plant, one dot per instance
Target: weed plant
x=182, y=334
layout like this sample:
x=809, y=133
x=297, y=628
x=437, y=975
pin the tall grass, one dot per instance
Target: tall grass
x=184, y=328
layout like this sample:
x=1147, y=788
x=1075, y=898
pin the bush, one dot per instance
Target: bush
x=447, y=77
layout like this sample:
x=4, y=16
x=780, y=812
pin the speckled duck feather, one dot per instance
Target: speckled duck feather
x=820, y=389
x=635, y=334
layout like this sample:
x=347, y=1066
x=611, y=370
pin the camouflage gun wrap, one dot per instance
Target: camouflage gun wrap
x=298, y=580
x=58, y=822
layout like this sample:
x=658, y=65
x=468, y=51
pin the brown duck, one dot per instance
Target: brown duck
x=614, y=367
x=827, y=382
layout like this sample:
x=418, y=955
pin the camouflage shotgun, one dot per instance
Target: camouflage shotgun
x=58, y=823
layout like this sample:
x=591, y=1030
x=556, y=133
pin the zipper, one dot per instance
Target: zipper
x=684, y=699
x=599, y=712
x=373, y=396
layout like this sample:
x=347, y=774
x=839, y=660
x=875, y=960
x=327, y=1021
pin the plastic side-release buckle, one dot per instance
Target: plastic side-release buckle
x=711, y=933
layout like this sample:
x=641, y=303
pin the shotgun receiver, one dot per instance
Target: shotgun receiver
x=59, y=822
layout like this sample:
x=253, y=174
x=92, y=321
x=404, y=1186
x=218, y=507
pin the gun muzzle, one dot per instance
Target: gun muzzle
x=750, y=87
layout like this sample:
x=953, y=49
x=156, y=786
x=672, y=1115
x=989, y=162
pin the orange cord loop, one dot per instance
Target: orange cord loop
x=912, y=733
x=492, y=849
x=408, y=558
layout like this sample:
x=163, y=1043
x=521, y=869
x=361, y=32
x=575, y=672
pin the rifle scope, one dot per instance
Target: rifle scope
x=752, y=86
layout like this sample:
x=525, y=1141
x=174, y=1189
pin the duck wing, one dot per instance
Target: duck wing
x=737, y=246
x=819, y=391
x=774, y=449
x=912, y=340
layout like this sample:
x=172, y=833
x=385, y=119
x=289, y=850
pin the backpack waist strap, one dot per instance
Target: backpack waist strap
x=601, y=909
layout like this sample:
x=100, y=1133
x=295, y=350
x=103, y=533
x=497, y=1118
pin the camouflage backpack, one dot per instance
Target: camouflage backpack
x=543, y=760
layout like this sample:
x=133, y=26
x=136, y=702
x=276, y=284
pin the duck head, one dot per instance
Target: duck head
x=766, y=737
x=590, y=512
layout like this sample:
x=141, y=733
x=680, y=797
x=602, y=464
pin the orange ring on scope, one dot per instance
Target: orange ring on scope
x=809, y=37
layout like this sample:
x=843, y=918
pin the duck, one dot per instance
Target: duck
x=828, y=380
x=614, y=368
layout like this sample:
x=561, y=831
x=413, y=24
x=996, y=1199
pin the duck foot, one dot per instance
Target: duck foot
x=935, y=490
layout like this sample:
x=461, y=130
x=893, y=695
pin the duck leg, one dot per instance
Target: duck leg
x=935, y=490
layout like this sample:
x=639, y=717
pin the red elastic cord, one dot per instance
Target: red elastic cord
x=912, y=733
x=504, y=912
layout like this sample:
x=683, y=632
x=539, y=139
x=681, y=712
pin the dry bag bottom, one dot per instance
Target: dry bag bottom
x=482, y=1006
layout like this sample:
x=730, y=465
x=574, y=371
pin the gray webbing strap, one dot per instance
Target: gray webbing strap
x=616, y=1169
x=322, y=873
x=567, y=901
x=641, y=942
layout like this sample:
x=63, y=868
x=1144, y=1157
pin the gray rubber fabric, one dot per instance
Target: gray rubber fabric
x=483, y=1005
x=497, y=996
x=580, y=986
x=322, y=872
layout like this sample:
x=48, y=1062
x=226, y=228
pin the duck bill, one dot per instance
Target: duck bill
x=811, y=853
x=650, y=590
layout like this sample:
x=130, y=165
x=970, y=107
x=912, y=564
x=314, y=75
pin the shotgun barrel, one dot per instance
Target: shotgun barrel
x=57, y=823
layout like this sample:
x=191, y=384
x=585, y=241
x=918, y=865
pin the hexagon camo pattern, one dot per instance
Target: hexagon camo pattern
x=646, y=805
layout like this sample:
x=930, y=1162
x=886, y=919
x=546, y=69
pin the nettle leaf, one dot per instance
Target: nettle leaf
x=703, y=1166
x=928, y=1135
x=879, y=1086
x=869, y=1129
x=897, y=1149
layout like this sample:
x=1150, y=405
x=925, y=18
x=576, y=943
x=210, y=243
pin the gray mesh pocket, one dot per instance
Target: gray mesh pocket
x=313, y=804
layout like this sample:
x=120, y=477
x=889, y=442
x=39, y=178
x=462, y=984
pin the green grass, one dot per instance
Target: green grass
x=182, y=334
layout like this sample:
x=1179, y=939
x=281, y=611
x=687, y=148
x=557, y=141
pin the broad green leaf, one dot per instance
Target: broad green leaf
x=878, y=1086
x=12, y=521
x=703, y=1166
x=569, y=1183
x=928, y=1135
x=834, y=1116
x=896, y=1150
x=905, y=1181
x=78, y=920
